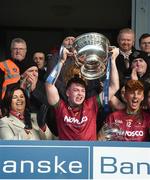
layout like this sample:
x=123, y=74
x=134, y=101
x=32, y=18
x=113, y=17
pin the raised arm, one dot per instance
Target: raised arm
x=51, y=90
x=114, y=77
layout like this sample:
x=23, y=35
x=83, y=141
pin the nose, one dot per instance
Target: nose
x=81, y=93
x=70, y=41
x=35, y=73
x=17, y=50
x=135, y=95
x=137, y=62
x=18, y=99
x=125, y=42
x=36, y=60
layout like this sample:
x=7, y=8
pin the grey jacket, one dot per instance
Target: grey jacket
x=11, y=128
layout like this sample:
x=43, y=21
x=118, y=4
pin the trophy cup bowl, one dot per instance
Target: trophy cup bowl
x=91, y=53
x=112, y=132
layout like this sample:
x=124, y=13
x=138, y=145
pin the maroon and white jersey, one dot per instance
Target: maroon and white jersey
x=77, y=123
x=133, y=127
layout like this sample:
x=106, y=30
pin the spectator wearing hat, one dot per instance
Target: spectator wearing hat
x=140, y=66
x=30, y=83
x=35, y=90
x=29, y=77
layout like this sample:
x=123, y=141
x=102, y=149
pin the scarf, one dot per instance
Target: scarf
x=17, y=115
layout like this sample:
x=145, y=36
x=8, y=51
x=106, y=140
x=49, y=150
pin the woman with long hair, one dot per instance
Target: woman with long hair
x=17, y=123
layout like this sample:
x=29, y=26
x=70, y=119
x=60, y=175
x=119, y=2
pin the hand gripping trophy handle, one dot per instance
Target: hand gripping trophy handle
x=91, y=52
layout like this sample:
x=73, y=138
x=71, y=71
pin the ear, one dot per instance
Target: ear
x=67, y=92
x=143, y=96
x=125, y=96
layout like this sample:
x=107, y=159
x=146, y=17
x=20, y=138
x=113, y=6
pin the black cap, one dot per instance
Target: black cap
x=139, y=54
x=27, y=65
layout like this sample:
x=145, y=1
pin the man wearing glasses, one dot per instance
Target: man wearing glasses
x=10, y=69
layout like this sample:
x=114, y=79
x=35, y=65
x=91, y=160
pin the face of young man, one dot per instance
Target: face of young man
x=134, y=99
x=126, y=41
x=39, y=59
x=18, y=51
x=145, y=45
x=18, y=101
x=76, y=94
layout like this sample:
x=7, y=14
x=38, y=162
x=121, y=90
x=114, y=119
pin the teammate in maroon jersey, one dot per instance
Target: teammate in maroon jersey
x=76, y=119
x=133, y=121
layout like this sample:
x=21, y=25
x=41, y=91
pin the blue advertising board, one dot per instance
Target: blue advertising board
x=74, y=160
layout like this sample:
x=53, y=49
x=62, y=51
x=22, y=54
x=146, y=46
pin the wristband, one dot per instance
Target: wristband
x=51, y=79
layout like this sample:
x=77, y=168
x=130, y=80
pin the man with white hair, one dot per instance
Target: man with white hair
x=10, y=69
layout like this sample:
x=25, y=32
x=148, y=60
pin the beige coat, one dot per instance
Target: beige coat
x=11, y=128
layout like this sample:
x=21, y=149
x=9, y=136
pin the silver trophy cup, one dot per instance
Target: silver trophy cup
x=112, y=132
x=91, y=53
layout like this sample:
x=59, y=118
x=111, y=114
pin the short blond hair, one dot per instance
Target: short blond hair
x=126, y=30
x=17, y=40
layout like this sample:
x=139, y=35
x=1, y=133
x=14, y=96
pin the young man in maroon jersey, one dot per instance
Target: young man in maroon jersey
x=132, y=122
x=76, y=118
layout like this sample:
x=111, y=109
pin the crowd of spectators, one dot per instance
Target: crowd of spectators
x=48, y=99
